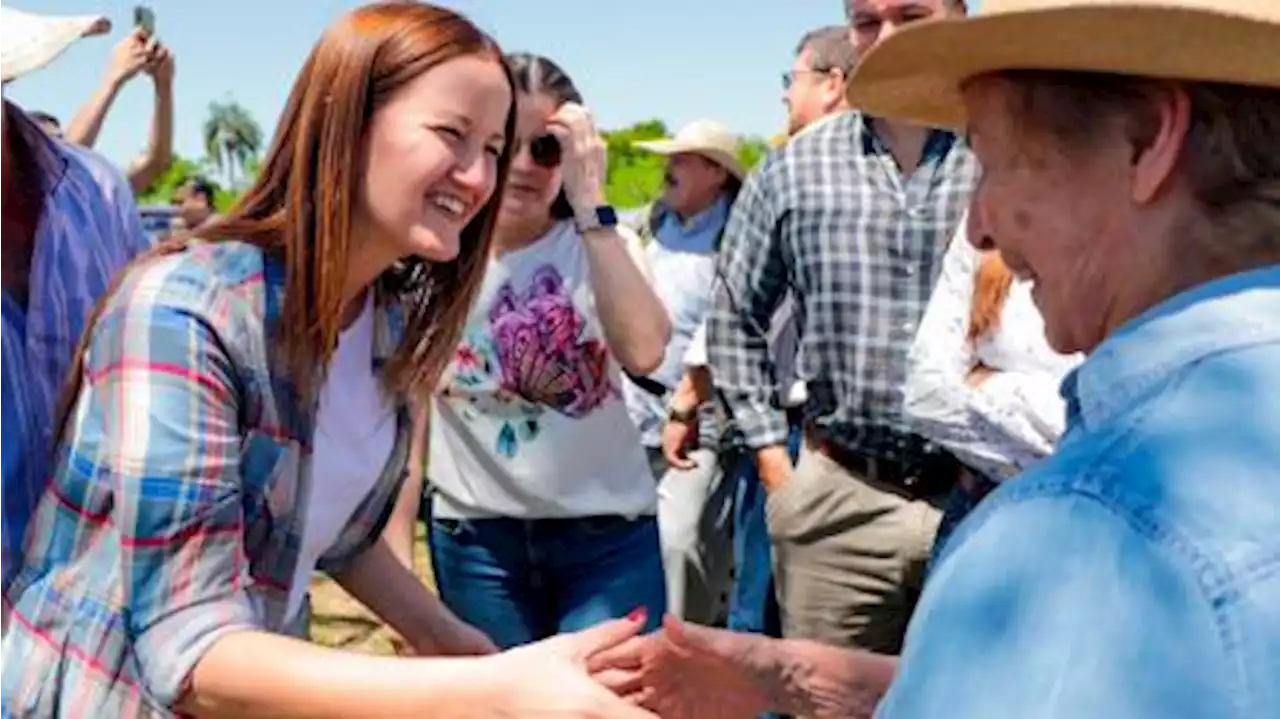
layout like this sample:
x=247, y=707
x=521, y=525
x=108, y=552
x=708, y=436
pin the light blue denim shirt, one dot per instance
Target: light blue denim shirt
x=1136, y=573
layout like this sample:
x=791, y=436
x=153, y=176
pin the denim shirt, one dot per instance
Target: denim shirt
x=1136, y=573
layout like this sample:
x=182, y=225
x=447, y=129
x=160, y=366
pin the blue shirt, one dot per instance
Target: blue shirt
x=88, y=230
x=1135, y=573
x=682, y=262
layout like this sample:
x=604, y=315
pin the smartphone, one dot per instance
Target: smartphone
x=144, y=19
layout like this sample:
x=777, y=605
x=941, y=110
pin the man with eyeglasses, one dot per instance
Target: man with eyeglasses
x=813, y=88
x=850, y=219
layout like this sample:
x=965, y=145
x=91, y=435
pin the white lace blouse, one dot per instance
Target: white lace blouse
x=1013, y=418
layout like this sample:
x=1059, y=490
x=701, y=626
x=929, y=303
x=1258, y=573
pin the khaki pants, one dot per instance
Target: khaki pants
x=849, y=555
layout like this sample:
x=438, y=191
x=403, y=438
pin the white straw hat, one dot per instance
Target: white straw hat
x=29, y=41
x=703, y=137
x=916, y=74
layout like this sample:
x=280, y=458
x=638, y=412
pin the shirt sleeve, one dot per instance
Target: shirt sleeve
x=1058, y=607
x=163, y=387
x=993, y=427
x=132, y=234
x=696, y=354
x=752, y=283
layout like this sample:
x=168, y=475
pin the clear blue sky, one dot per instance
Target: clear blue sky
x=674, y=59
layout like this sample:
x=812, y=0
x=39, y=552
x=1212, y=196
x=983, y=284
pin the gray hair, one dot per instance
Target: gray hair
x=1230, y=156
x=831, y=49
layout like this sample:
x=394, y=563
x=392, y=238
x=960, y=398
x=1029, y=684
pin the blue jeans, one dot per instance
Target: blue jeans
x=520, y=581
x=753, y=604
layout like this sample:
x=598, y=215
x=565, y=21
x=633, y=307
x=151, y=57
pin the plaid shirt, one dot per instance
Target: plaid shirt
x=830, y=217
x=174, y=516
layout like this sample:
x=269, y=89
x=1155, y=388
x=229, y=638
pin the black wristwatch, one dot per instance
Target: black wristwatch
x=601, y=216
x=675, y=414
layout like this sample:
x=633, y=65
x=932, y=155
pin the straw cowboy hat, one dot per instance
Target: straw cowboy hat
x=29, y=41
x=707, y=138
x=916, y=74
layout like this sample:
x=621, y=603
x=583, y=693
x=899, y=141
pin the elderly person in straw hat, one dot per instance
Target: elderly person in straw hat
x=681, y=234
x=69, y=224
x=1131, y=155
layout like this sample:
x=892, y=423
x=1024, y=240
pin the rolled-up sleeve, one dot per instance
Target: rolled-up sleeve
x=165, y=391
x=752, y=281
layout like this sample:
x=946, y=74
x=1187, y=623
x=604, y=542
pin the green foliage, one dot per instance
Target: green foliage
x=161, y=190
x=635, y=176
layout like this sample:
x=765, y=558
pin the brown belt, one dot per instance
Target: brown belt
x=934, y=476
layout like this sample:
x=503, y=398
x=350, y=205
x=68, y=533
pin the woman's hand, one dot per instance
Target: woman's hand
x=550, y=678
x=583, y=151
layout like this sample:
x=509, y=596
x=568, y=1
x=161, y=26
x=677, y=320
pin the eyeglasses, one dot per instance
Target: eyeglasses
x=789, y=77
x=545, y=151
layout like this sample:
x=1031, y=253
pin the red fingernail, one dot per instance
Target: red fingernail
x=637, y=614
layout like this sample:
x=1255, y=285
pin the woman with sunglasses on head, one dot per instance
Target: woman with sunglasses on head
x=239, y=419
x=542, y=501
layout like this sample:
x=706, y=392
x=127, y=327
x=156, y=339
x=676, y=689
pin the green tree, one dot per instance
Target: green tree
x=635, y=176
x=161, y=190
x=232, y=139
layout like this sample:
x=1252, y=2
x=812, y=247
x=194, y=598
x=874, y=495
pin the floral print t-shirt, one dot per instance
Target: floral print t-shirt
x=530, y=420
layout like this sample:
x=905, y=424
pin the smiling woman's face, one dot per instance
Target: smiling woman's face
x=432, y=158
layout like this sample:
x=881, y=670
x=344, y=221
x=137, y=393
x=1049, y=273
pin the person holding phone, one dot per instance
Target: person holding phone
x=138, y=52
x=240, y=419
x=542, y=503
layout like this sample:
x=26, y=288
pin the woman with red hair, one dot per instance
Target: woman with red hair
x=238, y=419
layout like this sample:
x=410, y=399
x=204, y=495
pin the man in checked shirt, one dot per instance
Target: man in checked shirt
x=852, y=217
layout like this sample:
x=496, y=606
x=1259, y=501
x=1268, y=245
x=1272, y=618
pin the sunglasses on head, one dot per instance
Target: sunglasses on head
x=545, y=151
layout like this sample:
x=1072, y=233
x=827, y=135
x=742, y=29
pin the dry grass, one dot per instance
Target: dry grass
x=338, y=620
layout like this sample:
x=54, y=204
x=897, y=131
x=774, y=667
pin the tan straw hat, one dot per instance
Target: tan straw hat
x=29, y=41
x=703, y=137
x=916, y=74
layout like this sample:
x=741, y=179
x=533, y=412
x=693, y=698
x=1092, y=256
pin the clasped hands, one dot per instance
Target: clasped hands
x=613, y=671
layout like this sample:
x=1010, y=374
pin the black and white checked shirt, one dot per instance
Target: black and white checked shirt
x=831, y=217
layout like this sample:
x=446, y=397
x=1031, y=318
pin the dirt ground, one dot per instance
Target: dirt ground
x=338, y=620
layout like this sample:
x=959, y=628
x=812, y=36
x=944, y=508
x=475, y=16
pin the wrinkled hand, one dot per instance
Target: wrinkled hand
x=129, y=57
x=549, y=679
x=160, y=66
x=583, y=153
x=677, y=439
x=687, y=672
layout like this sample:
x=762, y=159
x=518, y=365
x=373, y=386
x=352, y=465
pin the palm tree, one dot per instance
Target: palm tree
x=231, y=139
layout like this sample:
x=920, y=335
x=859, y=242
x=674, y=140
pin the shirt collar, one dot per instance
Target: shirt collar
x=936, y=146
x=388, y=312
x=1225, y=314
x=50, y=158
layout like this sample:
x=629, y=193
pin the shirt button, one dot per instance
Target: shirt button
x=909, y=270
x=915, y=212
x=908, y=326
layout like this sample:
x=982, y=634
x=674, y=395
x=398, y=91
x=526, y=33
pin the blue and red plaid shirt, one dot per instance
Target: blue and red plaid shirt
x=176, y=511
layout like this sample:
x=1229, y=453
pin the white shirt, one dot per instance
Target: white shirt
x=355, y=435
x=530, y=420
x=682, y=261
x=1012, y=419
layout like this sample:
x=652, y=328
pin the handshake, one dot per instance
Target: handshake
x=612, y=671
